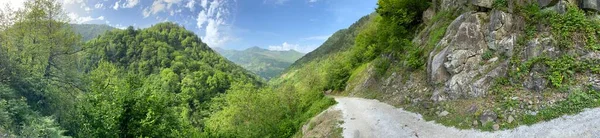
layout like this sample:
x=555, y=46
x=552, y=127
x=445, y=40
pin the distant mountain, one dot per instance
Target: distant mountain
x=91, y=31
x=265, y=63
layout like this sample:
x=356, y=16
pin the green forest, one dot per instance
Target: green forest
x=63, y=80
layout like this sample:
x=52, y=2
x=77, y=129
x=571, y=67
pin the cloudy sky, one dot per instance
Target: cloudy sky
x=301, y=25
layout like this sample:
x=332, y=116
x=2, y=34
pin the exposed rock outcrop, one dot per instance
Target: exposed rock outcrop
x=459, y=70
x=482, y=3
x=591, y=5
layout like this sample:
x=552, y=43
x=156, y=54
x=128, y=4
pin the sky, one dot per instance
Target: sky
x=300, y=25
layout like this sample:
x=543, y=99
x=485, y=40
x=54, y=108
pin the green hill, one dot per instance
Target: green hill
x=265, y=63
x=91, y=31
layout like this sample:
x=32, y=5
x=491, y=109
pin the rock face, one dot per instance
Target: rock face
x=482, y=3
x=459, y=70
x=458, y=5
x=591, y=5
x=547, y=3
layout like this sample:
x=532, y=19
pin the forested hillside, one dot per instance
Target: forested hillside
x=161, y=81
x=265, y=63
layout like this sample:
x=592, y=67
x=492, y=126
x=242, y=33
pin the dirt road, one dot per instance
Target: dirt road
x=364, y=118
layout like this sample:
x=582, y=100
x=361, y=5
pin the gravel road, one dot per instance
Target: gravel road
x=364, y=118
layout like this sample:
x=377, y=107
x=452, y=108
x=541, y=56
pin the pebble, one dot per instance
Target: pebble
x=496, y=127
x=510, y=119
x=444, y=113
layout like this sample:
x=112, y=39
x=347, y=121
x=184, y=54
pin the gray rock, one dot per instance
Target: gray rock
x=472, y=109
x=547, y=3
x=510, y=119
x=459, y=5
x=482, y=3
x=444, y=113
x=596, y=87
x=438, y=72
x=536, y=80
x=481, y=86
x=475, y=123
x=589, y=5
x=560, y=7
x=496, y=127
x=428, y=15
x=591, y=56
x=487, y=116
x=457, y=59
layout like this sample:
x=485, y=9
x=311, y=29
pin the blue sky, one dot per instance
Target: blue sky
x=301, y=25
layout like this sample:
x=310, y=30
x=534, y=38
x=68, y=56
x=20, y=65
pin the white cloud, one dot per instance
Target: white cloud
x=287, y=46
x=76, y=19
x=130, y=3
x=99, y=6
x=202, y=18
x=160, y=6
x=191, y=5
x=116, y=7
x=157, y=6
x=204, y=3
x=213, y=19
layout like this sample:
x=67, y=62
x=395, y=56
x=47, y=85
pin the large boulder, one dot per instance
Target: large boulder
x=591, y=5
x=457, y=68
x=460, y=57
x=483, y=3
x=452, y=5
x=547, y=3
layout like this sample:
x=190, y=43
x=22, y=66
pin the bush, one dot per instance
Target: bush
x=500, y=4
x=487, y=55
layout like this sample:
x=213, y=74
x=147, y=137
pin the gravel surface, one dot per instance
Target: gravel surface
x=364, y=118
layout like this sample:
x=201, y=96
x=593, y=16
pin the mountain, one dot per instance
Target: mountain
x=90, y=31
x=265, y=63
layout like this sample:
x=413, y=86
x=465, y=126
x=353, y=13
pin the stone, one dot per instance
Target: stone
x=592, y=56
x=591, y=5
x=481, y=86
x=472, y=109
x=596, y=87
x=456, y=60
x=487, y=116
x=475, y=123
x=452, y=5
x=510, y=119
x=428, y=15
x=482, y=3
x=547, y=3
x=496, y=127
x=560, y=7
x=536, y=80
x=444, y=113
x=437, y=69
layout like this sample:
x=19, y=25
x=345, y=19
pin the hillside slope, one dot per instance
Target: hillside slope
x=265, y=63
x=481, y=64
